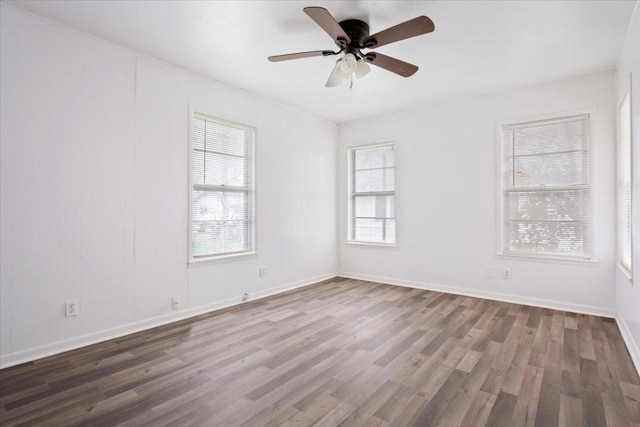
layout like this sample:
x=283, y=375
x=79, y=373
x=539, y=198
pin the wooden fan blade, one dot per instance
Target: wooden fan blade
x=411, y=28
x=329, y=24
x=278, y=58
x=392, y=64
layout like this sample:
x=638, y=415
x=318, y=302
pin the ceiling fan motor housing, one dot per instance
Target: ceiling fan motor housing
x=357, y=31
x=352, y=35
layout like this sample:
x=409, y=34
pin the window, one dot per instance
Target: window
x=222, y=196
x=624, y=184
x=372, y=195
x=546, y=188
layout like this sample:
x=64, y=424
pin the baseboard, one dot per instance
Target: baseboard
x=536, y=302
x=35, y=353
x=631, y=344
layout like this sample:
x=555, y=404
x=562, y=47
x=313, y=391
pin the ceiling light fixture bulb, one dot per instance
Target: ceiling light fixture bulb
x=349, y=64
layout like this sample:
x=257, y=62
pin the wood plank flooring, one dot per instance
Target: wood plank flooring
x=341, y=352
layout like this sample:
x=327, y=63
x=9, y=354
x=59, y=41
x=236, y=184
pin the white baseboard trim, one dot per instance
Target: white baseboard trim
x=632, y=346
x=496, y=296
x=35, y=353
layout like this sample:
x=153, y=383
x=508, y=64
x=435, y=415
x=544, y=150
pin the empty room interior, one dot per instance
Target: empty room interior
x=353, y=213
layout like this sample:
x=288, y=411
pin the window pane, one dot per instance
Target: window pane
x=218, y=169
x=220, y=137
x=566, y=205
x=375, y=230
x=550, y=137
x=624, y=184
x=221, y=222
x=219, y=205
x=219, y=237
x=550, y=222
x=547, y=169
x=553, y=238
x=375, y=206
x=198, y=134
x=378, y=157
x=375, y=180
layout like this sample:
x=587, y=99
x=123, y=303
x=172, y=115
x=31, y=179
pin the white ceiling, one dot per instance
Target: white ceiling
x=477, y=48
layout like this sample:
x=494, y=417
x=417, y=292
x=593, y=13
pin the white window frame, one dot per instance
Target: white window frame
x=626, y=269
x=500, y=146
x=351, y=194
x=192, y=260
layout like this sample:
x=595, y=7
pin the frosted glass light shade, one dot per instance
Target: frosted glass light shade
x=362, y=69
x=336, y=78
x=348, y=64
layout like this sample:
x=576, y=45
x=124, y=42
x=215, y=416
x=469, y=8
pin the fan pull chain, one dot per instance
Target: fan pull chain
x=351, y=81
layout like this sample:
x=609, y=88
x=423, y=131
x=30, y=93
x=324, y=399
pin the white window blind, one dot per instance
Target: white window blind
x=223, y=193
x=372, y=195
x=546, y=188
x=624, y=184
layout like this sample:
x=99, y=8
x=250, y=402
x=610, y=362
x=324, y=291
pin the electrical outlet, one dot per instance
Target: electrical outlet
x=264, y=271
x=506, y=274
x=71, y=308
x=245, y=296
x=175, y=303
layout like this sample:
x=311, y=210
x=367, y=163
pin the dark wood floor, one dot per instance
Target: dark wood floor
x=342, y=352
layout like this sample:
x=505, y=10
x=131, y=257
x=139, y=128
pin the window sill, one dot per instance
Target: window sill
x=549, y=258
x=372, y=244
x=196, y=262
x=625, y=271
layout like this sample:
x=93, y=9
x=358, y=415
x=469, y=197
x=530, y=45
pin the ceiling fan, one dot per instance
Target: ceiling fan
x=351, y=36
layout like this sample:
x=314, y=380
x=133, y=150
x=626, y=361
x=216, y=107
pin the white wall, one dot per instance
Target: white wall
x=628, y=292
x=446, y=192
x=94, y=191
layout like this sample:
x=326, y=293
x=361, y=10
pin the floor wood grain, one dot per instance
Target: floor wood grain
x=341, y=352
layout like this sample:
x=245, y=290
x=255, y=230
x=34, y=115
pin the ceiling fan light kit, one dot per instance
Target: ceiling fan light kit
x=351, y=36
x=346, y=68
